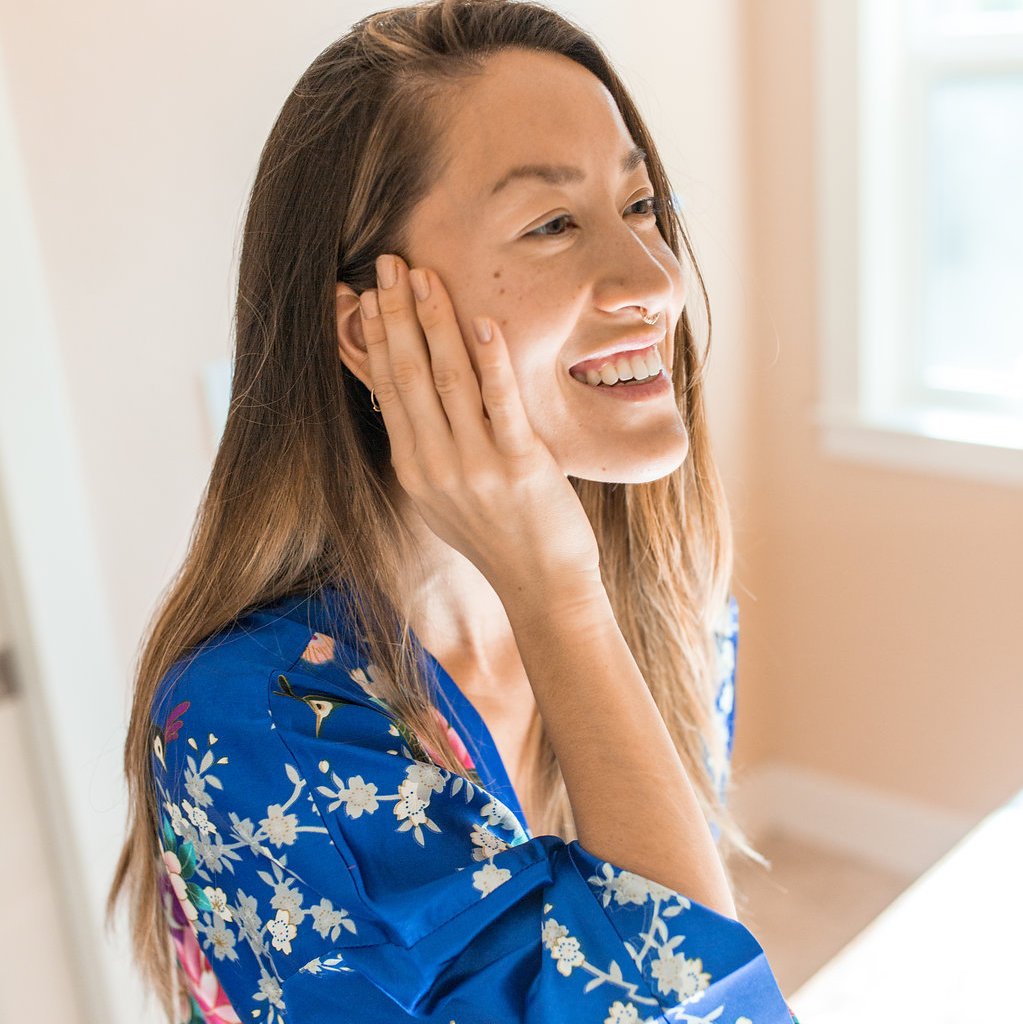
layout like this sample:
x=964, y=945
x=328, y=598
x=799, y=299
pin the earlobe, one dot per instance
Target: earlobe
x=351, y=344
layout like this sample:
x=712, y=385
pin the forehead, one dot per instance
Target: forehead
x=529, y=107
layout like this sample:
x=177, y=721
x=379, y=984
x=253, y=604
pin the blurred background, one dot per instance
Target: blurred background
x=850, y=173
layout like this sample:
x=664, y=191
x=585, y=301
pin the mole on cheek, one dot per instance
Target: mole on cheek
x=501, y=292
x=497, y=273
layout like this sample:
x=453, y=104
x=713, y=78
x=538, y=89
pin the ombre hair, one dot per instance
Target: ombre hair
x=298, y=496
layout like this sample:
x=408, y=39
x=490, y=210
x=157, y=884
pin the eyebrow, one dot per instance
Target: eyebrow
x=562, y=174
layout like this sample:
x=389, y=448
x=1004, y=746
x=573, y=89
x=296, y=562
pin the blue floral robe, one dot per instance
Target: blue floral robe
x=320, y=868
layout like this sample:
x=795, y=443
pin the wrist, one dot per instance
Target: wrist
x=567, y=600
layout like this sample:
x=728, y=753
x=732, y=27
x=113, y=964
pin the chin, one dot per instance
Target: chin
x=639, y=467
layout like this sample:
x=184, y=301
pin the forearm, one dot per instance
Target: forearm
x=632, y=801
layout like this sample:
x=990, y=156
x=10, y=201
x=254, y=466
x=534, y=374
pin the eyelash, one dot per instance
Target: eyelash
x=657, y=206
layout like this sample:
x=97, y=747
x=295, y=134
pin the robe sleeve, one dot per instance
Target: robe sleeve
x=458, y=916
x=726, y=639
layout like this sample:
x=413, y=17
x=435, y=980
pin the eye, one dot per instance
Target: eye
x=542, y=232
x=653, y=205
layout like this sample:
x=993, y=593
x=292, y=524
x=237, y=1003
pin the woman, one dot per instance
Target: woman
x=438, y=465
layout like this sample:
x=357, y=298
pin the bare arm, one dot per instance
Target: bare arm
x=632, y=800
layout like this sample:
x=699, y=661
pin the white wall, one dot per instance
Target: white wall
x=137, y=128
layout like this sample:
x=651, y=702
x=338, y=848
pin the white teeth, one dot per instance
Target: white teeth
x=625, y=368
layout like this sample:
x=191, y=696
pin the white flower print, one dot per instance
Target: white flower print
x=210, y=849
x=501, y=815
x=245, y=831
x=567, y=953
x=332, y=963
x=622, y=1013
x=727, y=621
x=426, y=776
x=563, y=947
x=677, y=974
x=219, y=938
x=488, y=844
x=246, y=916
x=359, y=796
x=279, y=827
x=282, y=931
x=286, y=898
x=410, y=809
x=630, y=888
x=489, y=877
x=726, y=697
x=198, y=817
x=195, y=784
x=627, y=887
x=218, y=900
x=269, y=989
x=179, y=823
x=328, y=920
x=552, y=932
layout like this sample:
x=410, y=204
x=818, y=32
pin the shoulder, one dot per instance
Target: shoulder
x=227, y=685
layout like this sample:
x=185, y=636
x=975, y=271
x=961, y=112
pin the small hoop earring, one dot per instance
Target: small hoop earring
x=373, y=400
x=647, y=319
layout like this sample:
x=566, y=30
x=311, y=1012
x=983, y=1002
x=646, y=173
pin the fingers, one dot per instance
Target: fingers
x=454, y=378
x=402, y=374
x=513, y=434
x=440, y=418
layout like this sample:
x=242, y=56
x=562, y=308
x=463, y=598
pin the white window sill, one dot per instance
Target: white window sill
x=969, y=446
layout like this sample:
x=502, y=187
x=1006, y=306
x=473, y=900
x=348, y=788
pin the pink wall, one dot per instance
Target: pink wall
x=881, y=631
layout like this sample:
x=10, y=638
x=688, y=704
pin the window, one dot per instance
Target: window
x=920, y=131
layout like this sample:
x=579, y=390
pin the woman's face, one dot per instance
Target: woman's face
x=539, y=222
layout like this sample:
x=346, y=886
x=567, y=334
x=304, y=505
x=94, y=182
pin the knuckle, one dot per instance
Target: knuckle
x=385, y=391
x=447, y=379
x=432, y=314
x=406, y=374
x=407, y=474
x=495, y=396
x=373, y=330
x=397, y=313
x=444, y=479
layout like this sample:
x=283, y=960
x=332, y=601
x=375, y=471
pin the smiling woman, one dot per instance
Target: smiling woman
x=435, y=721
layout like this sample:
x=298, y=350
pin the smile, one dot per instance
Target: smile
x=635, y=366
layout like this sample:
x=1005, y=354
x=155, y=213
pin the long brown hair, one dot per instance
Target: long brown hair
x=297, y=497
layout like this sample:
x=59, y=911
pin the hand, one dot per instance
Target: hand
x=461, y=444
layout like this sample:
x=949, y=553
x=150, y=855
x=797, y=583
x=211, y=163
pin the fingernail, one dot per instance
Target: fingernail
x=369, y=304
x=420, y=283
x=387, y=271
x=483, y=330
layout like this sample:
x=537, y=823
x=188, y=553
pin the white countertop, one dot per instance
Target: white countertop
x=948, y=950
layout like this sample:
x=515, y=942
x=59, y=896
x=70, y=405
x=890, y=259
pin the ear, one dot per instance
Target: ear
x=351, y=344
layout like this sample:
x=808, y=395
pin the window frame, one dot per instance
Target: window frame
x=873, y=407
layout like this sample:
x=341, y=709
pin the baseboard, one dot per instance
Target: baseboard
x=886, y=829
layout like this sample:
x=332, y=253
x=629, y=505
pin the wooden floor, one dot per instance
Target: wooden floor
x=813, y=901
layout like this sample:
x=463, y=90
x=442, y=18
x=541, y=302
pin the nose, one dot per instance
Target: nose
x=636, y=276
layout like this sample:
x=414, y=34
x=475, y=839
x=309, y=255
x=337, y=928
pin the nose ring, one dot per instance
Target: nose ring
x=647, y=319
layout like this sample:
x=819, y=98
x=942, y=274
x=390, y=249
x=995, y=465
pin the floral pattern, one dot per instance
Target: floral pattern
x=314, y=851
